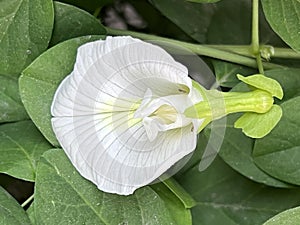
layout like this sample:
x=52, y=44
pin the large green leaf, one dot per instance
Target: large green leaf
x=21, y=146
x=278, y=152
x=11, y=107
x=67, y=198
x=225, y=197
x=40, y=80
x=236, y=151
x=25, y=31
x=284, y=18
x=71, y=22
x=11, y=213
x=288, y=217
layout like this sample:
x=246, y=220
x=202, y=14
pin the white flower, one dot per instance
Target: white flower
x=119, y=114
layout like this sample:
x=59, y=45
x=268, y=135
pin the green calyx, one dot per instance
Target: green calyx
x=260, y=114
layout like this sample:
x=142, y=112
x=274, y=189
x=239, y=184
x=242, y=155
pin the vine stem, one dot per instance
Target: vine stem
x=27, y=201
x=255, y=35
x=199, y=49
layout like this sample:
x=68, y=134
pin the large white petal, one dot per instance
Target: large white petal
x=119, y=159
x=119, y=78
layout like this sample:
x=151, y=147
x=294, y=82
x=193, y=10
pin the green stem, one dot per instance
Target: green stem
x=255, y=28
x=27, y=201
x=198, y=49
x=255, y=36
x=246, y=50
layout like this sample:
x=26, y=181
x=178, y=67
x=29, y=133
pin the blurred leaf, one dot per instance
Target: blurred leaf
x=88, y=5
x=203, y=1
x=284, y=18
x=71, y=22
x=11, y=213
x=40, y=80
x=225, y=22
x=288, y=217
x=11, y=107
x=59, y=185
x=227, y=198
x=278, y=152
x=21, y=146
x=192, y=18
x=25, y=31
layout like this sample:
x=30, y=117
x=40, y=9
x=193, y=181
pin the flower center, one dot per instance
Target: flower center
x=162, y=113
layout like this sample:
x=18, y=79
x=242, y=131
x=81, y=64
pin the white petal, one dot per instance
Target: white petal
x=117, y=158
x=118, y=79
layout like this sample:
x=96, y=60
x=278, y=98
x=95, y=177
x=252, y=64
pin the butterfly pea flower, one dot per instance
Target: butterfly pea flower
x=128, y=112
x=119, y=115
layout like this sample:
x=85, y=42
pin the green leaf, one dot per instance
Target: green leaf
x=174, y=205
x=236, y=151
x=40, y=80
x=30, y=214
x=264, y=83
x=21, y=146
x=177, y=190
x=70, y=199
x=71, y=22
x=289, y=80
x=225, y=22
x=25, y=31
x=257, y=125
x=284, y=18
x=288, y=217
x=89, y=5
x=10, y=210
x=192, y=18
x=226, y=73
x=278, y=153
x=227, y=198
x=11, y=107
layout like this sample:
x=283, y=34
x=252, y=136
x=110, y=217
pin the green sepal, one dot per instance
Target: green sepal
x=264, y=83
x=256, y=125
